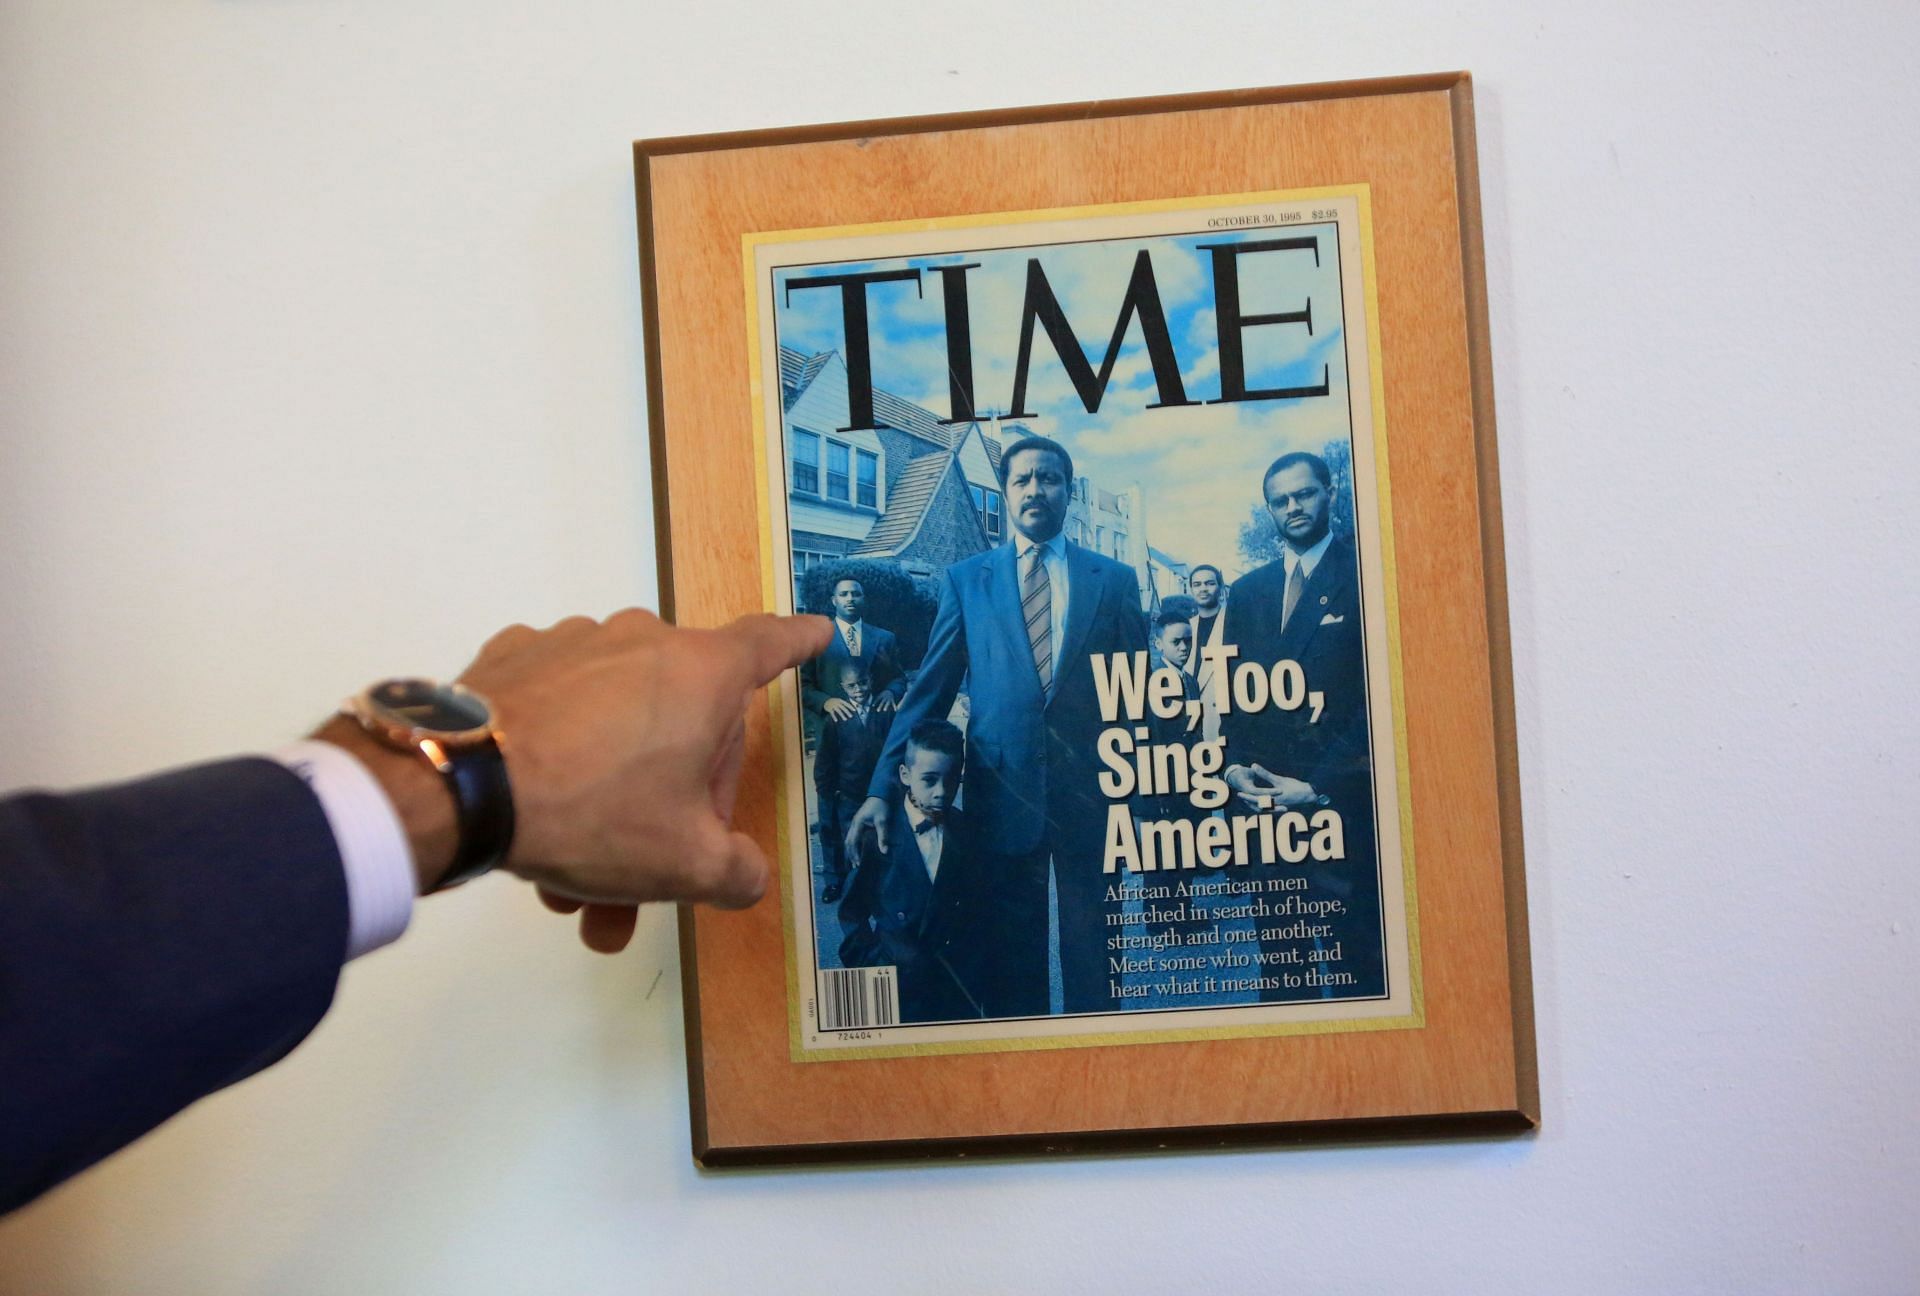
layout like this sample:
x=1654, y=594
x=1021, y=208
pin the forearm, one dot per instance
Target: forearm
x=418, y=794
x=159, y=940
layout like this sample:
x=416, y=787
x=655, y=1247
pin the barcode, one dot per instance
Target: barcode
x=854, y=998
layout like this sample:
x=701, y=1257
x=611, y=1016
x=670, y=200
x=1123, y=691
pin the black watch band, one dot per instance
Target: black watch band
x=483, y=802
x=451, y=728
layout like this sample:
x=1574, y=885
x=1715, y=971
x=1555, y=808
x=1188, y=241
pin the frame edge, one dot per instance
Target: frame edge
x=972, y=119
x=1494, y=564
x=1508, y=1122
x=663, y=583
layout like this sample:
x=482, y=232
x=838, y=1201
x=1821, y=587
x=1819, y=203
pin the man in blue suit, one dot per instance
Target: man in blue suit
x=164, y=938
x=1018, y=624
x=855, y=639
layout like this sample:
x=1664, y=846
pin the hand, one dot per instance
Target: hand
x=1254, y=783
x=839, y=709
x=871, y=814
x=1292, y=793
x=885, y=702
x=623, y=742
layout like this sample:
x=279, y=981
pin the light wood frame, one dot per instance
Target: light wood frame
x=1470, y=1069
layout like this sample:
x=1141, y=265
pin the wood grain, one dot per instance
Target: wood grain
x=1471, y=1067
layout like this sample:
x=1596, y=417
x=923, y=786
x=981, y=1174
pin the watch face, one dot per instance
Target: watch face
x=426, y=705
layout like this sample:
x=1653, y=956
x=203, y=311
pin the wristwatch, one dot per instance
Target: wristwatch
x=450, y=726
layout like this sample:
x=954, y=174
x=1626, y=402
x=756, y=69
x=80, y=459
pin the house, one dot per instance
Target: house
x=1167, y=575
x=915, y=491
x=1114, y=525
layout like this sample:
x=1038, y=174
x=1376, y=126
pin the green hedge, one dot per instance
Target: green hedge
x=896, y=600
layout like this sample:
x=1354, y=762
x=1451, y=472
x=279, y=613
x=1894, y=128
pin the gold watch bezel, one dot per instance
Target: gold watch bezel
x=393, y=731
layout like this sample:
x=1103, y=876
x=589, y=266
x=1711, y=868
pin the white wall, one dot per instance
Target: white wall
x=320, y=358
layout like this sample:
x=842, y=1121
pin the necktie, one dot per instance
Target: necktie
x=852, y=632
x=1036, y=605
x=926, y=826
x=1295, y=579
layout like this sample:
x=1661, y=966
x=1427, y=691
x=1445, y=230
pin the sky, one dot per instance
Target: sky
x=1200, y=465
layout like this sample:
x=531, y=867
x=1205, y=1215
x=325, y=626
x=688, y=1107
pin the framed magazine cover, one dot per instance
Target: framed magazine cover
x=1158, y=787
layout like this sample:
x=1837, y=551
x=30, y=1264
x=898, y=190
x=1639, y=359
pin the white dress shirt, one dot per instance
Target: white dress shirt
x=1208, y=632
x=849, y=635
x=1308, y=560
x=374, y=852
x=931, y=841
x=1053, y=555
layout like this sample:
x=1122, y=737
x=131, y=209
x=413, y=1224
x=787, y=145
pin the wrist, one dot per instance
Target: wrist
x=419, y=797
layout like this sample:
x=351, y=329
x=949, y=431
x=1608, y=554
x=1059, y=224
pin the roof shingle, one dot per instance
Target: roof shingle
x=906, y=502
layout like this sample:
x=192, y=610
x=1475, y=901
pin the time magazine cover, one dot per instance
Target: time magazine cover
x=1105, y=748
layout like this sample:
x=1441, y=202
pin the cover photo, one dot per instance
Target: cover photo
x=1104, y=747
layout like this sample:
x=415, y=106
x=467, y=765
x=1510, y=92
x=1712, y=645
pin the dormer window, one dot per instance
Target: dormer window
x=849, y=474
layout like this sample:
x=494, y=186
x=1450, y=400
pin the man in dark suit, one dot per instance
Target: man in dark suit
x=916, y=906
x=843, y=765
x=164, y=938
x=857, y=640
x=1019, y=623
x=1208, y=589
x=1305, y=607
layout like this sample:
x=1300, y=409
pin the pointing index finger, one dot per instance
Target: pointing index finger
x=775, y=643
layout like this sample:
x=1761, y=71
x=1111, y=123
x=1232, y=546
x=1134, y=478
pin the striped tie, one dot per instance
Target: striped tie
x=1036, y=605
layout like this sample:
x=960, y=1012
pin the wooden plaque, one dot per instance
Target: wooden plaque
x=1002, y=389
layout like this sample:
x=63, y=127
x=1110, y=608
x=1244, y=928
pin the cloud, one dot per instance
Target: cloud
x=1201, y=330
x=1198, y=466
x=1201, y=375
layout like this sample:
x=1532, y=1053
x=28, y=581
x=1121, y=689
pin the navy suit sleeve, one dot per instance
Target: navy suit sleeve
x=932, y=692
x=159, y=940
x=1238, y=631
x=859, y=946
x=1133, y=625
x=896, y=686
x=826, y=766
x=813, y=693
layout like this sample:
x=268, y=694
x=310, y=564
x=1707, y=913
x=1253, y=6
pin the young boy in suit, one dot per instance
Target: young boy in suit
x=842, y=766
x=1173, y=640
x=917, y=907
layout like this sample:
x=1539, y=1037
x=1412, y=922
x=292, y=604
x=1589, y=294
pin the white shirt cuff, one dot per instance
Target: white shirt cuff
x=373, y=846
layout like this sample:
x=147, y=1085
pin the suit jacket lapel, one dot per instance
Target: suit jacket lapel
x=910, y=865
x=1083, y=601
x=950, y=851
x=1330, y=578
x=836, y=650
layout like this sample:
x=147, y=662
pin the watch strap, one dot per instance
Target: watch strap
x=483, y=801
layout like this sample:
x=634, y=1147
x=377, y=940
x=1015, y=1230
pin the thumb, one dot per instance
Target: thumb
x=741, y=875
